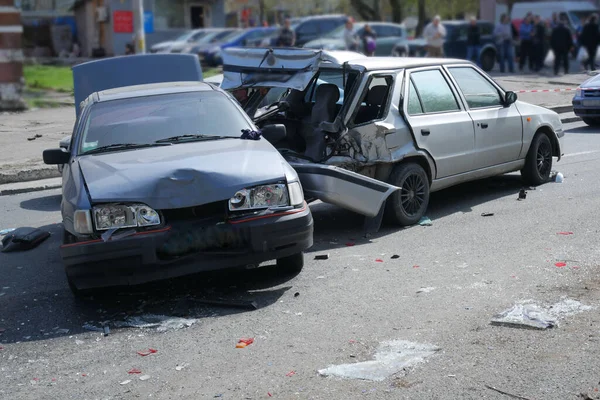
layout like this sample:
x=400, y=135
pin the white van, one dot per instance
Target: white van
x=572, y=11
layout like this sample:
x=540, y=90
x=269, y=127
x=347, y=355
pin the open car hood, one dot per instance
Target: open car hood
x=283, y=68
x=115, y=72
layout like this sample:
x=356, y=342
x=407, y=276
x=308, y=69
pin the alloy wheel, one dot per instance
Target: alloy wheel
x=412, y=195
x=544, y=159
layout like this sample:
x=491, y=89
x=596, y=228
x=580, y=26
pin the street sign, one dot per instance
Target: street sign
x=123, y=21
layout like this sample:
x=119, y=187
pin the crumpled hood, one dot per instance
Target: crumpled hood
x=182, y=175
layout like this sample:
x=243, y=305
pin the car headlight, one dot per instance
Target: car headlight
x=82, y=222
x=115, y=216
x=296, y=194
x=260, y=197
x=578, y=92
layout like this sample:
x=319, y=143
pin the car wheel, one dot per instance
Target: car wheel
x=538, y=163
x=291, y=264
x=406, y=206
x=591, y=121
x=398, y=52
x=488, y=60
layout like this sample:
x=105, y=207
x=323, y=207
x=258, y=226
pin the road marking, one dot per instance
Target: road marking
x=580, y=153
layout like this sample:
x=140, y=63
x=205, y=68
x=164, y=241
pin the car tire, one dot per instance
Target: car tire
x=488, y=60
x=591, y=121
x=538, y=163
x=291, y=264
x=407, y=206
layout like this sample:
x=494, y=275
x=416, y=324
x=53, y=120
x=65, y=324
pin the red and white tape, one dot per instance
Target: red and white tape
x=545, y=90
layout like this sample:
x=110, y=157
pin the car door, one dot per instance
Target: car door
x=387, y=37
x=498, y=129
x=440, y=124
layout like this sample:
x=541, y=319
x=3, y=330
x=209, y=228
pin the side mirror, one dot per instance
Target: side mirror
x=509, y=98
x=274, y=133
x=56, y=156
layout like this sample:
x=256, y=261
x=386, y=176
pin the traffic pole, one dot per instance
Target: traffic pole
x=11, y=57
x=138, y=22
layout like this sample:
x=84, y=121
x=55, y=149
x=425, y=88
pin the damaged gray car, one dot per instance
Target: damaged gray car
x=167, y=179
x=378, y=135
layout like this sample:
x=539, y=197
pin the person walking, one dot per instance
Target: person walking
x=435, y=33
x=503, y=33
x=538, y=37
x=590, y=38
x=287, y=36
x=561, y=43
x=369, y=39
x=350, y=38
x=474, y=41
x=525, y=34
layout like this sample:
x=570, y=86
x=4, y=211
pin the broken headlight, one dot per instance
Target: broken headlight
x=115, y=216
x=264, y=196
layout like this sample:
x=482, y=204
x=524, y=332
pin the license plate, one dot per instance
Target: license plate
x=591, y=103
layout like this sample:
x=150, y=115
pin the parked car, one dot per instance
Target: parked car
x=586, y=103
x=455, y=45
x=406, y=126
x=188, y=37
x=213, y=55
x=206, y=33
x=155, y=185
x=210, y=40
x=313, y=27
x=389, y=37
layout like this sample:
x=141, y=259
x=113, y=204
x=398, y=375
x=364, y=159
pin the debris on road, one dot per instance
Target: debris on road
x=291, y=373
x=425, y=221
x=322, y=256
x=144, y=377
x=514, y=396
x=162, y=323
x=378, y=260
x=22, y=239
x=395, y=257
x=181, y=366
x=296, y=294
x=390, y=358
x=147, y=353
x=487, y=214
x=528, y=315
x=426, y=290
x=522, y=194
x=350, y=244
x=104, y=329
x=5, y=231
x=134, y=371
x=565, y=233
x=244, y=342
x=560, y=264
x=559, y=178
x=125, y=382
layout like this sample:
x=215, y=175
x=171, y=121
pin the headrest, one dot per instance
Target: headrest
x=376, y=95
x=328, y=91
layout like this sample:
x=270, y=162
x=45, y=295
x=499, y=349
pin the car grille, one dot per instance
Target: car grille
x=591, y=93
x=210, y=211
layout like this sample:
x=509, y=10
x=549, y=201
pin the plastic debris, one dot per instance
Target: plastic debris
x=5, y=231
x=425, y=221
x=22, y=239
x=395, y=257
x=244, y=342
x=415, y=266
x=144, y=377
x=106, y=330
x=147, y=353
x=181, y=366
x=63, y=331
x=426, y=290
x=559, y=178
x=522, y=194
x=565, y=233
x=322, y=256
x=162, y=323
x=125, y=382
x=528, y=315
x=560, y=264
x=487, y=214
x=291, y=373
x=269, y=394
x=378, y=260
x=134, y=371
x=390, y=358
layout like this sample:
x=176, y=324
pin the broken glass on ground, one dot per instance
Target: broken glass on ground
x=162, y=323
x=527, y=315
x=390, y=358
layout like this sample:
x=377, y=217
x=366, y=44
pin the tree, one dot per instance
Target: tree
x=261, y=11
x=368, y=12
x=422, y=16
x=397, y=10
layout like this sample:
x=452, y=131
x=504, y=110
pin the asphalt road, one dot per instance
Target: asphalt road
x=335, y=311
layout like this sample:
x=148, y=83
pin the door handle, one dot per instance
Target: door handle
x=425, y=132
x=484, y=126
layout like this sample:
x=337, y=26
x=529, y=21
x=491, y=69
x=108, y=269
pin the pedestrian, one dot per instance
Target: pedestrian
x=503, y=33
x=474, y=41
x=287, y=36
x=578, y=32
x=555, y=22
x=590, y=38
x=350, y=38
x=369, y=39
x=561, y=43
x=435, y=33
x=525, y=34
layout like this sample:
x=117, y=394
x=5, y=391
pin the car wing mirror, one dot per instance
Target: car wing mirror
x=274, y=133
x=509, y=98
x=56, y=156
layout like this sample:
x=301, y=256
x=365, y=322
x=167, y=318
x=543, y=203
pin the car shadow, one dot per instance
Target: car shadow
x=584, y=130
x=46, y=203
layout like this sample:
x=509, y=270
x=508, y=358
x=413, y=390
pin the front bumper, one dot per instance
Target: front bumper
x=140, y=258
x=586, y=111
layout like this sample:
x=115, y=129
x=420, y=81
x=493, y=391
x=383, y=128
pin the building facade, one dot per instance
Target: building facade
x=11, y=57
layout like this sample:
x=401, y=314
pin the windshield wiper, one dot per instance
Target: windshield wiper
x=123, y=146
x=179, y=138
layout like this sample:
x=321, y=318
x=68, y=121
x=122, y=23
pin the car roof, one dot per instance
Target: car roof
x=128, y=92
x=381, y=63
x=317, y=17
x=463, y=22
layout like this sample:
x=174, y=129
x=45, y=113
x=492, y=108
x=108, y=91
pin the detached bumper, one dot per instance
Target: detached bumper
x=141, y=258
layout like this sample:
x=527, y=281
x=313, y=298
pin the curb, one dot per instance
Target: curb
x=29, y=175
x=561, y=109
x=568, y=120
x=18, y=188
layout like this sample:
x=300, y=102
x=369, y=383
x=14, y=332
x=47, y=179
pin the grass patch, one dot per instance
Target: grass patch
x=42, y=103
x=49, y=77
x=208, y=72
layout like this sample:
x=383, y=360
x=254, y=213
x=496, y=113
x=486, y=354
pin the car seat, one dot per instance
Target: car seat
x=324, y=110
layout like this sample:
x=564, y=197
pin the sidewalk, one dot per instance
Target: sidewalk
x=21, y=159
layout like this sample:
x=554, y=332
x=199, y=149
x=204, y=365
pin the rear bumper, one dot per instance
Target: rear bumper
x=140, y=258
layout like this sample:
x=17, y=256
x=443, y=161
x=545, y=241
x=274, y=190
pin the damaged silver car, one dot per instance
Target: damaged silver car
x=167, y=179
x=378, y=135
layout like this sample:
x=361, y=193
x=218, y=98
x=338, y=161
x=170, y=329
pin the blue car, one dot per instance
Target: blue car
x=252, y=37
x=155, y=185
x=586, y=103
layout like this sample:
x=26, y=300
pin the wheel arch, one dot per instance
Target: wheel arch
x=548, y=131
x=422, y=161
